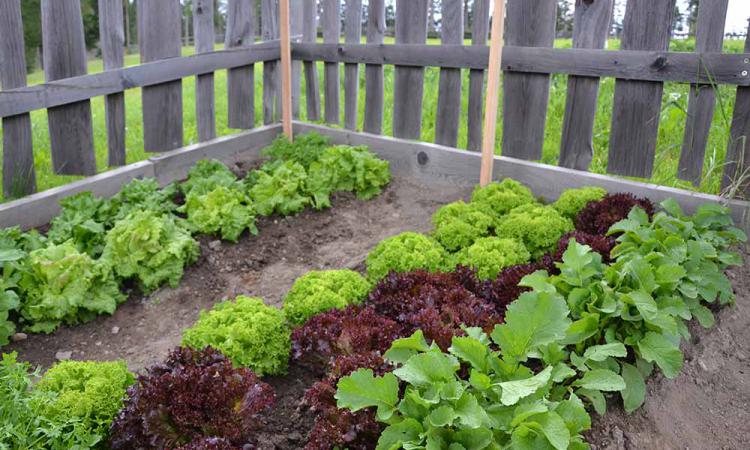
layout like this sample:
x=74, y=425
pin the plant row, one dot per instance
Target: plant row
x=145, y=234
x=500, y=333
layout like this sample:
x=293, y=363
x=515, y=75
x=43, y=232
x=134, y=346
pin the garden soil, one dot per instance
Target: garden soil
x=706, y=407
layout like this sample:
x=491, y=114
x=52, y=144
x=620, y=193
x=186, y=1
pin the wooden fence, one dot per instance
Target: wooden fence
x=640, y=68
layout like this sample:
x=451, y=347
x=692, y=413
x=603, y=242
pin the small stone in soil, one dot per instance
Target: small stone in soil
x=62, y=356
x=214, y=245
x=115, y=330
x=17, y=337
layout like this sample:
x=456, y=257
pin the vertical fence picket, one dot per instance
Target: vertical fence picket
x=353, y=35
x=331, y=23
x=373, y=72
x=737, y=164
x=241, y=27
x=479, y=32
x=408, y=84
x=709, y=37
x=205, y=105
x=71, y=133
x=112, y=43
x=296, y=16
x=269, y=29
x=637, y=104
x=310, y=34
x=529, y=23
x=449, y=91
x=591, y=28
x=159, y=38
x=19, y=176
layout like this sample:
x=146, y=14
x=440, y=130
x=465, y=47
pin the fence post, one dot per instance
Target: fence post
x=479, y=31
x=637, y=104
x=19, y=177
x=269, y=28
x=709, y=37
x=353, y=35
x=286, y=69
x=241, y=26
x=296, y=26
x=592, y=21
x=449, y=92
x=408, y=83
x=205, y=105
x=374, y=72
x=331, y=24
x=736, y=180
x=159, y=38
x=530, y=23
x=112, y=43
x=310, y=34
x=71, y=133
x=493, y=89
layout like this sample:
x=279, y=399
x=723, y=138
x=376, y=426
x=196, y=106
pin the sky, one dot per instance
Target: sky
x=739, y=12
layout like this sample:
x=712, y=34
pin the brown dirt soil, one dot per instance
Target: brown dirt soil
x=706, y=407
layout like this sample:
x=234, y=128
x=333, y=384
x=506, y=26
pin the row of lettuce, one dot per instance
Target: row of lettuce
x=500, y=329
x=145, y=234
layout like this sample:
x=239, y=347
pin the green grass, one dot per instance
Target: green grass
x=672, y=120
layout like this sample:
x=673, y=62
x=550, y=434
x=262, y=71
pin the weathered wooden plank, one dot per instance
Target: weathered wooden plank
x=241, y=80
x=408, y=82
x=479, y=32
x=637, y=104
x=449, y=90
x=269, y=29
x=374, y=72
x=38, y=209
x=159, y=38
x=709, y=38
x=112, y=43
x=69, y=90
x=592, y=22
x=71, y=133
x=426, y=162
x=19, y=177
x=736, y=180
x=205, y=105
x=353, y=35
x=330, y=22
x=310, y=35
x=296, y=8
x=530, y=23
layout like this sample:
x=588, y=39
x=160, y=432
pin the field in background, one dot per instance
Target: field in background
x=673, y=115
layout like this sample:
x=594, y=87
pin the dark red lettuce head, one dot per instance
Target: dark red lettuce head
x=504, y=289
x=210, y=443
x=194, y=394
x=598, y=243
x=597, y=217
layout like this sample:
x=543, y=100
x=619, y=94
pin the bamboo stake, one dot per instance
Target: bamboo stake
x=493, y=87
x=286, y=70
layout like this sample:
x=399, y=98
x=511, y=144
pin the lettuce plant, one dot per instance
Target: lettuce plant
x=489, y=255
x=84, y=220
x=403, y=253
x=320, y=291
x=458, y=225
x=572, y=201
x=504, y=289
x=224, y=210
x=207, y=175
x=91, y=392
x=192, y=396
x=305, y=149
x=142, y=195
x=497, y=199
x=247, y=331
x=280, y=190
x=62, y=285
x=598, y=243
x=597, y=217
x=151, y=248
x=538, y=227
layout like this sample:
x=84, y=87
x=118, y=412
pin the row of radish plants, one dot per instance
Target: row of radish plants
x=502, y=328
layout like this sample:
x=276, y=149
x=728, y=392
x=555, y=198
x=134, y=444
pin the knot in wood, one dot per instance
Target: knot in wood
x=660, y=62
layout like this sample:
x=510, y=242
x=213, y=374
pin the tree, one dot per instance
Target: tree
x=692, y=16
x=564, y=19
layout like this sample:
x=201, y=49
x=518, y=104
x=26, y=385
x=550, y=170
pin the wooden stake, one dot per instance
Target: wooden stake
x=493, y=87
x=286, y=70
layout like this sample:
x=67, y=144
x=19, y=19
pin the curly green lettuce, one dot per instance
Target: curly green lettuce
x=489, y=255
x=206, y=175
x=304, y=150
x=282, y=190
x=63, y=285
x=572, y=201
x=225, y=211
x=498, y=199
x=539, y=227
x=458, y=225
x=151, y=248
x=320, y=291
x=247, y=331
x=403, y=253
x=145, y=195
x=84, y=220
